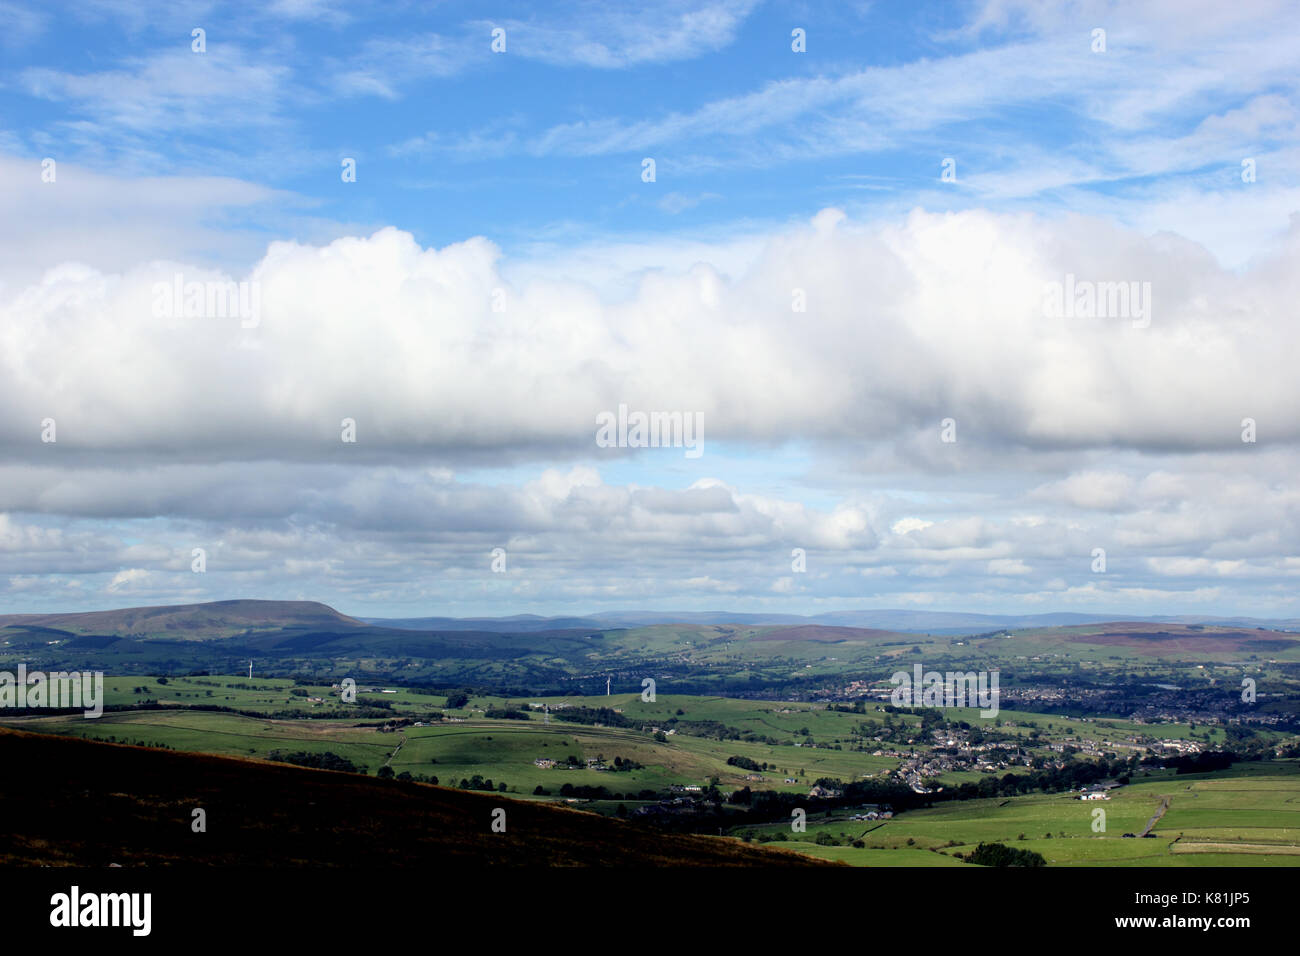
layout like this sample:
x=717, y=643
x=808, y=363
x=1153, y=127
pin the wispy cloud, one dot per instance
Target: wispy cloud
x=174, y=90
x=20, y=25
x=611, y=36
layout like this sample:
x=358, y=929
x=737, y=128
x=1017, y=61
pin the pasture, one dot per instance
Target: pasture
x=1247, y=816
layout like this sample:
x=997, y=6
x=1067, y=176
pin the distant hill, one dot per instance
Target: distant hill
x=225, y=635
x=214, y=619
x=919, y=622
x=99, y=804
x=218, y=619
x=518, y=624
x=816, y=633
x=526, y=653
x=927, y=622
x=1172, y=641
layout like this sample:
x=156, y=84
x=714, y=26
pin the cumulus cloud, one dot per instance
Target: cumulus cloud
x=430, y=351
x=886, y=387
x=456, y=364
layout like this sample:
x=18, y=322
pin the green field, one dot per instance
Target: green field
x=1249, y=815
x=501, y=750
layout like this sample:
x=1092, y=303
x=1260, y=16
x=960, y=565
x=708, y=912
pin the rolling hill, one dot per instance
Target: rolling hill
x=99, y=804
x=214, y=619
x=557, y=654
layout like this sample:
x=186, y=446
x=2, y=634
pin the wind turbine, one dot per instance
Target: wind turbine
x=607, y=680
x=250, y=670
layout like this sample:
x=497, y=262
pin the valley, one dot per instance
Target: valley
x=1127, y=715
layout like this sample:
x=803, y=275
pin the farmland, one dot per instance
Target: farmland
x=1249, y=816
x=738, y=725
x=1246, y=815
x=790, y=735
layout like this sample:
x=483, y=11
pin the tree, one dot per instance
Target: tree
x=999, y=854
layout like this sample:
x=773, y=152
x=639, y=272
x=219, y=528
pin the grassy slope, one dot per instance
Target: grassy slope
x=462, y=749
x=84, y=803
x=1247, y=816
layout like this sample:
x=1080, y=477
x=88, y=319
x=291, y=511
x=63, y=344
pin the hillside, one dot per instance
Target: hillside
x=98, y=803
x=821, y=634
x=215, y=619
x=915, y=621
x=516, y=624
x=1153, y=641
x=527, y=655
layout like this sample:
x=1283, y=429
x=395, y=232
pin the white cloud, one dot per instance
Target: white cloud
x=607, y=36
x=905, y=525
x=171, y=90
x=909, y=322
x=116, y=223
x=129, y=579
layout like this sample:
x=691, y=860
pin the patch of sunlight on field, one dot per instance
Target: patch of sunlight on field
x=868, y=857
x=1184, y=846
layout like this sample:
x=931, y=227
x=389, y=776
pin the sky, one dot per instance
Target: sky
x=984, y=306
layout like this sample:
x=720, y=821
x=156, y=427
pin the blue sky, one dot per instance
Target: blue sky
x=544, y=142
x=500, y=273
x=450, y=136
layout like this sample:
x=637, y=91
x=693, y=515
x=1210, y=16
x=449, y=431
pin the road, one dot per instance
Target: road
x=1155, y=819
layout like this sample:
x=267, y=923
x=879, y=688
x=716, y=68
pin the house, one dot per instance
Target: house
x=546, y=763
